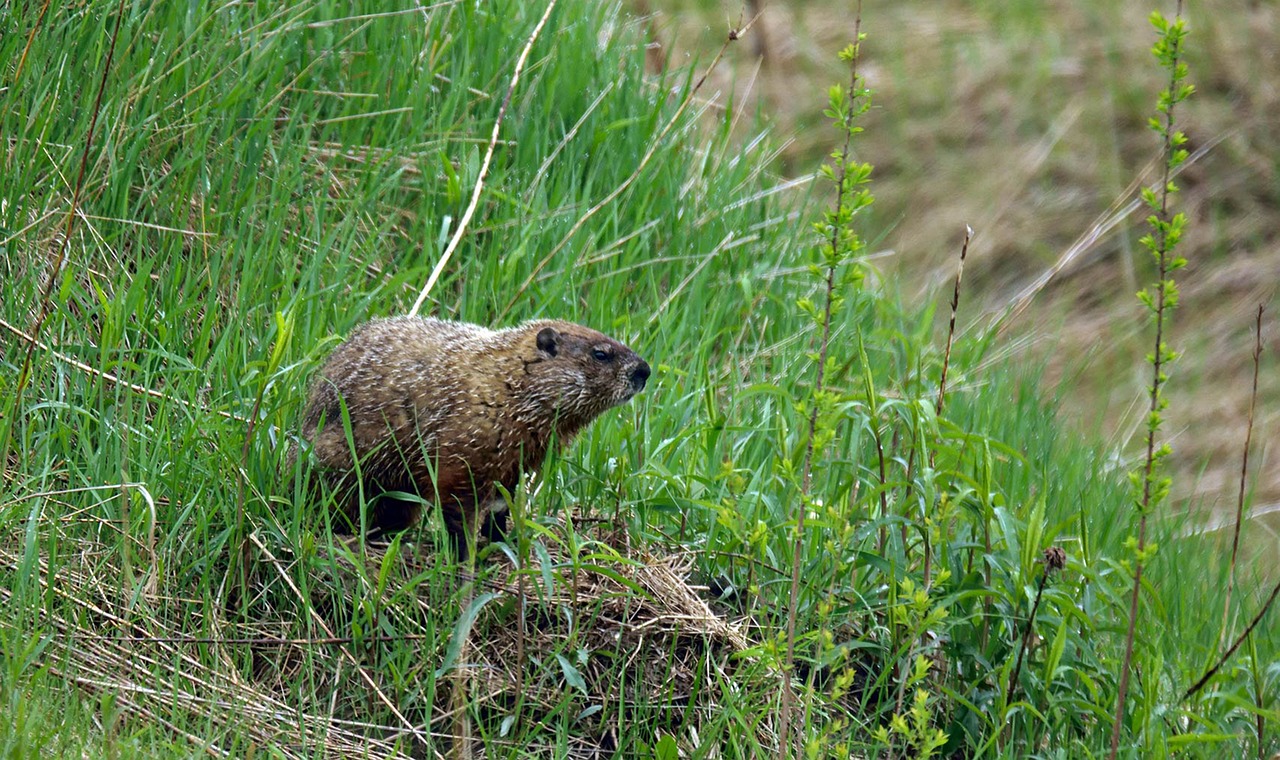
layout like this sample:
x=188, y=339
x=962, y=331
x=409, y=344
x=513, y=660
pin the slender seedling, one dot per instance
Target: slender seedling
x=839, y=247
x=1166, y=230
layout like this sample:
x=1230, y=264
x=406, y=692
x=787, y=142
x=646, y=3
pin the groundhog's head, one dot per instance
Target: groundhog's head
x=579, y=373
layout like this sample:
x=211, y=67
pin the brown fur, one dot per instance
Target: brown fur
x=449, y=409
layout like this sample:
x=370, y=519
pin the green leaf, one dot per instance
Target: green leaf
x=666, y=748
x=571, y=674
x=462, y=631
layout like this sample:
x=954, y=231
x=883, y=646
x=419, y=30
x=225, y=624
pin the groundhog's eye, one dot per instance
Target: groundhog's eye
x=602, y=354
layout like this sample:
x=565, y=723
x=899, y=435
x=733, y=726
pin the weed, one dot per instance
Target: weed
x=1166, y=230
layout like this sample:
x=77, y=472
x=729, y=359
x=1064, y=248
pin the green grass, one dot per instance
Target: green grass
x=262, y=179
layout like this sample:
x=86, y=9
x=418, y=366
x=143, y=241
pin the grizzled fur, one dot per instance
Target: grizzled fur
x=449, y=409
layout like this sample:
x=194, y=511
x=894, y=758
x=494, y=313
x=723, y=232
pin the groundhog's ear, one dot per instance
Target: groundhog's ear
x=549, y=341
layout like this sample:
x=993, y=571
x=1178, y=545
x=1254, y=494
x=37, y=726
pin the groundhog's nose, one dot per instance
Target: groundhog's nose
x=640, y=375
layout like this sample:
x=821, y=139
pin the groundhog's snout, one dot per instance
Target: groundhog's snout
x=640, y=375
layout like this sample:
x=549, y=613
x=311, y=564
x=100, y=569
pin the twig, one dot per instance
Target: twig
x=484, y=165
x=256, y=641
x=1244, y=472
x=951, y=331
x=1275, y=591
x=1054, y=559
x=46, y=293
x=927, y=570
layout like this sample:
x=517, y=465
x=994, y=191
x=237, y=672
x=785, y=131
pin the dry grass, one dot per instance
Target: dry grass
x=153, y=669
x=153, y=653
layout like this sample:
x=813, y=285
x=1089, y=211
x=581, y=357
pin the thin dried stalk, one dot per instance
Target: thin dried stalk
x=484, y=165
x=1244, y=473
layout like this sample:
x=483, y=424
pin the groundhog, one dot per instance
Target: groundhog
x=450, y=410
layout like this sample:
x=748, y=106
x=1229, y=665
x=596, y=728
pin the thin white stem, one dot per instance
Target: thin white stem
x=484, y=166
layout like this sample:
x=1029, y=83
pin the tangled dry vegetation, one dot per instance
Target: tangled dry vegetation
x=636, y=613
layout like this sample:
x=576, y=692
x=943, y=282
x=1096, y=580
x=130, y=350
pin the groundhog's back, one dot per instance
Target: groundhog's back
x=449, y=409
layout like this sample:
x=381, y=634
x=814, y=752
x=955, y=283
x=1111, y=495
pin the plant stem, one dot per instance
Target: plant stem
x=1204, y=679
x=951, y=330
x=1157, y=381
x=1026, y=634
x=927, y=572
x=806, y=478
x=46, y=293
x=1244, y=472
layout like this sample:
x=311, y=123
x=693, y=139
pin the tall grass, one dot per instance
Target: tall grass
x=262, y=178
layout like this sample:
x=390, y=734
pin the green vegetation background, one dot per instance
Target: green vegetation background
x=263, y=177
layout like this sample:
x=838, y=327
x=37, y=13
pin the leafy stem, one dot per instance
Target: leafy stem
x=837, y=251
x=1166, y=230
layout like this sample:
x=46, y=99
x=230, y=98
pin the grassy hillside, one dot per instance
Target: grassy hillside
x=197, y=204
